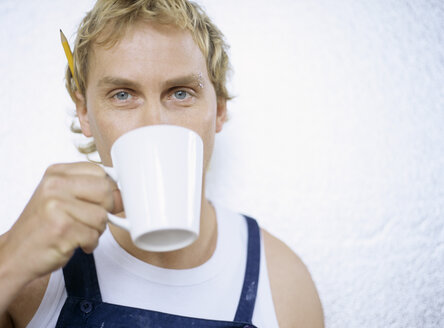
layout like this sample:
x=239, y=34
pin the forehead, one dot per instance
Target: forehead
x=148, y=50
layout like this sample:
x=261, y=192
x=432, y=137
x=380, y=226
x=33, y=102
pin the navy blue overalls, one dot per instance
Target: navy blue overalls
x=84, y=307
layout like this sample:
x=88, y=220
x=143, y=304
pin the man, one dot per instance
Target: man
x=141, y=63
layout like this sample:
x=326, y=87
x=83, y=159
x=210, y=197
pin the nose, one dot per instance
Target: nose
x=154, y=113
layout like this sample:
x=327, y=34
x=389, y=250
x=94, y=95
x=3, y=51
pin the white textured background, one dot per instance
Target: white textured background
x=335, y=144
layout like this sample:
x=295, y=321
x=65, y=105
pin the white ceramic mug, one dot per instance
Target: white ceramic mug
x=158, y=169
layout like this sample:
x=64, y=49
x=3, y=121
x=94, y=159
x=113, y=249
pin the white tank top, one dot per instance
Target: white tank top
x=209, y=291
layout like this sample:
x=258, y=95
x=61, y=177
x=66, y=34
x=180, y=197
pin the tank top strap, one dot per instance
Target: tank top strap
x=81, y=277
x=247, y=299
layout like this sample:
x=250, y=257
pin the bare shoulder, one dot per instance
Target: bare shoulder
x=294, y=294
x=23, y=308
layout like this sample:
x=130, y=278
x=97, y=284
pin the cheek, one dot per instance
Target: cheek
x=207, y=130
x=100, y=139
x=208, y=149
x=105, y=131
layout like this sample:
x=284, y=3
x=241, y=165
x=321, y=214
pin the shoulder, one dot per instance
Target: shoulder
x=295, y=298
x=24, y=307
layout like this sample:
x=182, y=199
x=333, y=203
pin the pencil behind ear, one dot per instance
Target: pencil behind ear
x=68, y=54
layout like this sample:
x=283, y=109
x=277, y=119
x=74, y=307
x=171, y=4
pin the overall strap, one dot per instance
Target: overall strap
x=81, y=277
x=247, y=299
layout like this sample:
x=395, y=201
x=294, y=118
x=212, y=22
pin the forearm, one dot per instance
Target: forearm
x=11, y=281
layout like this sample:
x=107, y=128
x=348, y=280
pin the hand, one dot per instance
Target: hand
x=67, y=210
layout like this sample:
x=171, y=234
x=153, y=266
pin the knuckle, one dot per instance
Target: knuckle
x=107, y=185
x=94, y=169
x=95, y=237
x=103, y=217
x=60, y=228
x=52, y=184
x=100, y=170
x=91, y=242
x=105, y=193
x=52, y=205
x=66, y=249
x=99, y=186
x=54, y=168
x=99, y=219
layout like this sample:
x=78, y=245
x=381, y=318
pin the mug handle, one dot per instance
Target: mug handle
x=121, y=223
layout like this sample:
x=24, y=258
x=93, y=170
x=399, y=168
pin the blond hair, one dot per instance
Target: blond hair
x=107, y=22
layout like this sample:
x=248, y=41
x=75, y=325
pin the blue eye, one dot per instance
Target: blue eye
x=122, y=95
x=180, y=94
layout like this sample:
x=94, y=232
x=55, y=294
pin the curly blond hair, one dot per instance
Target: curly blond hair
x=107, y=22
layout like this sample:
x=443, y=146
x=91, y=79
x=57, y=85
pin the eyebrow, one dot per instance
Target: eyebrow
x=117, y=81
x=195, y=79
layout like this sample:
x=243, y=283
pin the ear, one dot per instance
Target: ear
x=82, y=113
x=221, y=116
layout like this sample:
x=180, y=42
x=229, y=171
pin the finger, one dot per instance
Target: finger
x=79, y=168
x=90, y=214
x=94, y=189
x=84, y=237
x=64, y=233
x=101, y=191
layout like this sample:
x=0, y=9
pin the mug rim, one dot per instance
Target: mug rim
x=152, y=127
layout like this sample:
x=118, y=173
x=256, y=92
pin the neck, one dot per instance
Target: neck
x=189, y=257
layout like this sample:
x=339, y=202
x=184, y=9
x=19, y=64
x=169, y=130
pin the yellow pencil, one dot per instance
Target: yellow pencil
x=68, y=54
